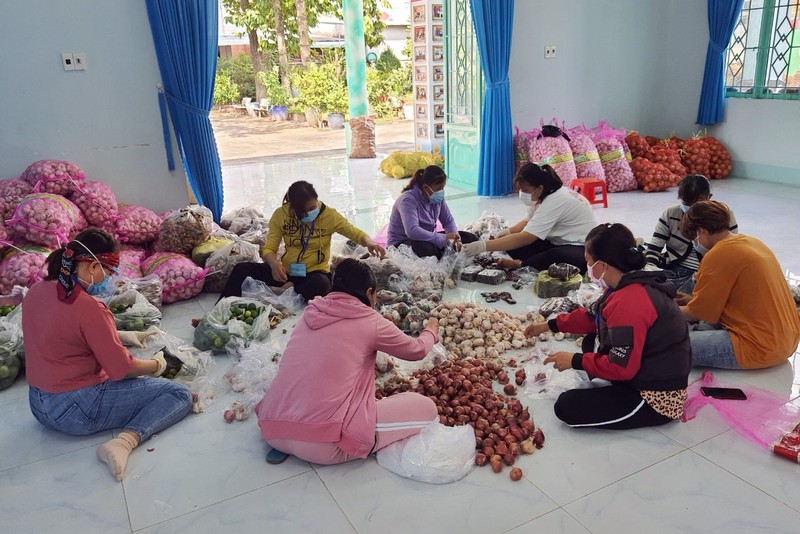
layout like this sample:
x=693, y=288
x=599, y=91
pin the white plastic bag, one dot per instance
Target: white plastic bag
x=545, y=381
x=286, y=301
x=438, y=455
x=233, y=317
x=132, y=311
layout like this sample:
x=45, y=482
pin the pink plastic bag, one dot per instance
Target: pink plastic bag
x=765, y=418
x=550, y=147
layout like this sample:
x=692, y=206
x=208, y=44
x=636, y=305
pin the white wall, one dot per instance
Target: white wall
x=639, y=64
x=105, y=119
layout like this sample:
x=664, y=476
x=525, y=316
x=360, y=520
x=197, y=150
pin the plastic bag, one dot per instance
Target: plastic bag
x=619, y=176
x=286, y=301
x=136, y=225
x=232, y=317
x=151, y=287
x=362, y=143
x=404, y=164
x=203, y=251
x=221, y=263
x=11, y=348
x=437, y=455
x=23, y=266
x=11, y=192
x=196, y=365
x=45, y=219
x=184, y=229
x=551, y=147
x=584, y=153
x=556, y=306
x=545, y=381
x=241, y=219
x=252, y=374
x=132, y=311
x=768, y=419
x=53, y=176
x=181, y=278
x=487, y=225
x=97, y=202
x=522, y=148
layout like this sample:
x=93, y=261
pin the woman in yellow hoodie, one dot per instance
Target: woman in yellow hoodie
x=306, y=227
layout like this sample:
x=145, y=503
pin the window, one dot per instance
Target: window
x=763, y=58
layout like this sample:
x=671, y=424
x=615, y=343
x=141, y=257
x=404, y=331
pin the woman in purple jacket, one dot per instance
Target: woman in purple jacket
x=416, y=212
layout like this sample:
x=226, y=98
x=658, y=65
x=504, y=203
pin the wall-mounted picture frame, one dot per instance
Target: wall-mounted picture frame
x=420, y=92
x=438, y=73
x=422, y=111
x=419, y=34
x=422, y=130
x=419, y=53
x=421, y=74
x=438, y=111
x=437, y=12
x=437, y=32
x=419, y=13
x=438, y=129
x=438, y=53
x=438, y=92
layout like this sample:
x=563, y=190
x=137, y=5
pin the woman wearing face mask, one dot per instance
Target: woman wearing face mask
x=321, y=406
x=642, y=343
x=553, y=230
x=306, y=227
x=82, y=380
x=669, y=248
x=749, y=320
x=416, y=212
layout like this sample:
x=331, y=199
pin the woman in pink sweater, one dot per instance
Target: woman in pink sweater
x=321, y=407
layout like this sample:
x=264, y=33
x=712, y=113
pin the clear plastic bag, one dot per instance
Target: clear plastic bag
x=221, y=263
x=184, y=229
x=203, y=251
x=11, y=353
x=438, y=455
x=556, y=306
x=286, y=301
x=545, y=381
x=487, y=225
x=233, y=317
x=151, y=287
x=255, y=368
x=765, y=418
x=132, y=311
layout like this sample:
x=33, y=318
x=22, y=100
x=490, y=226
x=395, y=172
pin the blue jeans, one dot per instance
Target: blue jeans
x=681, y=278
x=712, y=347
x=142, y=405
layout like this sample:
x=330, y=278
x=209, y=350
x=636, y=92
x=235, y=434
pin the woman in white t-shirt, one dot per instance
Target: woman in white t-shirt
x=553, y=230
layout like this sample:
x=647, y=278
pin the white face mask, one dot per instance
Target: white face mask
x=526, y=198
x=596, y=279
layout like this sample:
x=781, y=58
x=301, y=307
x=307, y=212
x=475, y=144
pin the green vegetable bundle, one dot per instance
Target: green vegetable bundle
x=232, y=318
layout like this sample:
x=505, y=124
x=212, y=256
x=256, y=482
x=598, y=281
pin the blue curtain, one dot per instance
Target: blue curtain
x=185, y=38
x=722, y=18
x=494, y=21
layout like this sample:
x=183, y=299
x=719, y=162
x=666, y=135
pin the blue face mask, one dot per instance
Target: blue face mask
x=437, y=197
x=311, y=216
x=685, y=208
x=97, y=289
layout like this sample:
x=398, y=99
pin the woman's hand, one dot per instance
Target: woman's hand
x=501, y=233
x=453, y=236
x=279, y=272
x=475, y=248
x=682, y=299
x=433, y=325
x=536, y=328
x=561, y=360
x=376, y=250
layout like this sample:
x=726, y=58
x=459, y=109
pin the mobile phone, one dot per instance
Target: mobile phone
x=724, y=393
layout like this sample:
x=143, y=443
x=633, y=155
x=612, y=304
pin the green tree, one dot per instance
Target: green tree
x=225, y=90
x=387, y=61
x=240, y=70
x=252, y=16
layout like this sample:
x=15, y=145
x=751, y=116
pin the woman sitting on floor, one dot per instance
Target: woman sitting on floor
x=643, y=343
x=321, y=406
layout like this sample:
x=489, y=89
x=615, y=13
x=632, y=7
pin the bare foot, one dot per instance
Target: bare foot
x=508, y=263
x=195, y=322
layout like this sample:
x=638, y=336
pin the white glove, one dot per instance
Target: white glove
x=502, y=233
x=473, y=249
x=162, y=363
x=131, y=338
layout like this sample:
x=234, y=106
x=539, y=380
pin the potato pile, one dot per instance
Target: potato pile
x=463, y=393
x=472, y=331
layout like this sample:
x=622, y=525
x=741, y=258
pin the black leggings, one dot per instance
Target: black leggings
x=423, y=249
x=611, y=407
x=312, y=285
x=541, y=254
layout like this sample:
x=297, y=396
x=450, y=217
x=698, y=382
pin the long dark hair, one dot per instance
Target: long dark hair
x=430, y=176
x=298, y=195
x=97, y=241
x=615, y=245
x=354, y=278
x=693, y=188
x=535, y=176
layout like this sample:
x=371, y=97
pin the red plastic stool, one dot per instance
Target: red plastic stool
x=587, y=187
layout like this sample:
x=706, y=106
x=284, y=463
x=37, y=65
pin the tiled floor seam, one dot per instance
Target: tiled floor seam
x=339, y=506
x=4, y=470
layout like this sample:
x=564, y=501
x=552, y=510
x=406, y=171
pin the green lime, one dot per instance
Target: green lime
x=249, y=320
x=252, y=306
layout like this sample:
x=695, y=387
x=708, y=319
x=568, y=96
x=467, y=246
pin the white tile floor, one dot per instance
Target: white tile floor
x=204, y=476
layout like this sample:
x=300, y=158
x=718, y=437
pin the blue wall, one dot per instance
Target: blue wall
x=106, y=118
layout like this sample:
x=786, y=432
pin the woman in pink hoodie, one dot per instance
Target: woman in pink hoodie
x=321, y=407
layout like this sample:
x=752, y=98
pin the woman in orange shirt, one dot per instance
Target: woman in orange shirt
x=747, y=316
